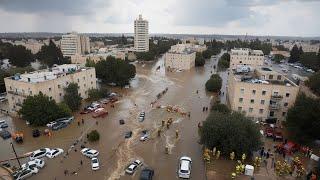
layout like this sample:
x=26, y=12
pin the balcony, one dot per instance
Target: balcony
x=17, y=93
x=274, y=106
x=276, y=97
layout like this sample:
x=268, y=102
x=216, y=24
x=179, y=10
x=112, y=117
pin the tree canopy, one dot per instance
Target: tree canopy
x=96, y=94
x=39, y=110
x=230, y=132
x=18, y=55
x=310, y=60
x=200, y=61
x=51, y=54
x=115, y=71
x=72, y=97
x=277, y=58
x=214, y=83
x=224, y=61
x=220, y=108
x=303, y=119
x=295, y=54
x=314, y=83
x=93, y=136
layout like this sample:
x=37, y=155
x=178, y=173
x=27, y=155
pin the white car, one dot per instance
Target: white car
x=39, y=153
x=38, y=163
x=95, y=164
x=133, y=166
x=185, y=167
x=25, y=173
x=144, y=137
x=98, y=110
x=54, y=153
x=89, y=152
x=142, y=116
x=50, y=124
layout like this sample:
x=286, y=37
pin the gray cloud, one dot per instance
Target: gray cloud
x=67, y=7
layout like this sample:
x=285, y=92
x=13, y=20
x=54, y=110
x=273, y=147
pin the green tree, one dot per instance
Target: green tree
x=51, y=54
x=278, y=57
x=93, y=136
x=200, y=61
x=295, y=54
x=39, y=110
x=115, y=71
x=220, y=108
x=214, y=83
x=72, y=97
x=303, y=119
x=310, y=60
x=224, y=61
x=18, y=55
x=96, y=94
x=314, y=83
x=215, y=132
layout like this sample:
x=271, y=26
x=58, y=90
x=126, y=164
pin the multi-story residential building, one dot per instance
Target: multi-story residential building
x=73, y=43
x=247, y=57
x=262, y=94
x=50, y=82
x=141, y=35
x=180, y=57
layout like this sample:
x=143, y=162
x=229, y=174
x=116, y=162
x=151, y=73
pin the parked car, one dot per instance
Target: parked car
x=146, y=174
x=54, y=153
x=35, y=133
x=39, y=153
x=132, y=167
x=5, y=134
x=24, y=174
x=50, y=124
x=101, y=113
x=185, y=167
x=38, y=163
x=142, y=116
x=59, y=125
x=85, y=111
x=65, y=119
x=3, y=124
x=145, y=135
x=89, y=152
x=95, y=164
x=278, y=135
x=93, y=106
x=128, y=134
x=269, y=132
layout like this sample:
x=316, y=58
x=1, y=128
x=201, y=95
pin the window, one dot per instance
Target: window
x=242, y=91
x=252, y=101
x=67, y=83
x=239, y=108
x=49, y=89
x=250, y=110
x=261, y=111
x=84, y=78
x=279, y=77
x=275, y=93
x=262, y=101
x=10, y=88
x=271, y=113
x=241, y=100
x=253, y=91
x=91, y=82
x=285, y=104
x=59, y=86
x=90, y=75
x=85, y=85
x=287, y=94
x=264, y=92
x=60, y=94
x=50, y=97
x=30, y=92
x=270, y=76
x=78, y=80
x=284, y=113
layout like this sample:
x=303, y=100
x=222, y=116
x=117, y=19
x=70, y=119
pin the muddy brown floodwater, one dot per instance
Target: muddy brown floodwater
x=116, y=151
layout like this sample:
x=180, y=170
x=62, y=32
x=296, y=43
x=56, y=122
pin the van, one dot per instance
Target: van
x=185, y=167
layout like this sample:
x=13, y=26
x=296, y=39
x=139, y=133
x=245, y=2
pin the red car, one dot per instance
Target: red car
x=278, y=135
x=100, y=114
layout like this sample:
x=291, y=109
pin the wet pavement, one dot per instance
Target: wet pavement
x=116, y=152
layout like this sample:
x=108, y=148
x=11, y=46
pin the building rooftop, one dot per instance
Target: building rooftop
x=49, y=74
x=246, y=51
x=263, y=75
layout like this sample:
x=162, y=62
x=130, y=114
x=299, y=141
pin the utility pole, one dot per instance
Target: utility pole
x=15, y=153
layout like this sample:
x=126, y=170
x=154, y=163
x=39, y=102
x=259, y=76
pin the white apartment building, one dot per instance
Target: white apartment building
x=73, y=43
x=141, y=35
x=262, y=94
x=247, y=57
x=50, y=82
x=180, y=57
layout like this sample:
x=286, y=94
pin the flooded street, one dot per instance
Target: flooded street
x=116, y=152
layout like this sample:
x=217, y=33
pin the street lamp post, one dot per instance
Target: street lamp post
x=15, y=153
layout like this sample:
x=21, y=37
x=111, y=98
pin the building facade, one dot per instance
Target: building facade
x=247, y=57
x=73, y=43
x=141, y=35
x=180, y=57
x=50, y=82
x=262, y=94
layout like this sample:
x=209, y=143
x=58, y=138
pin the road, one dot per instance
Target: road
x=116, y=151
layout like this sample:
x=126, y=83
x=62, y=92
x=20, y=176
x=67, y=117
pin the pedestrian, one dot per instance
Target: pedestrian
x=284, y=154
x=272, y=163
x=267, y=155
x=65, y=172
x=81, y=162
x=78, y=123
x=261, y=152
x=82, y=121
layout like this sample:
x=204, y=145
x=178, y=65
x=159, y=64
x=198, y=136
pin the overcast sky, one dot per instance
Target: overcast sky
x=255, y=17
